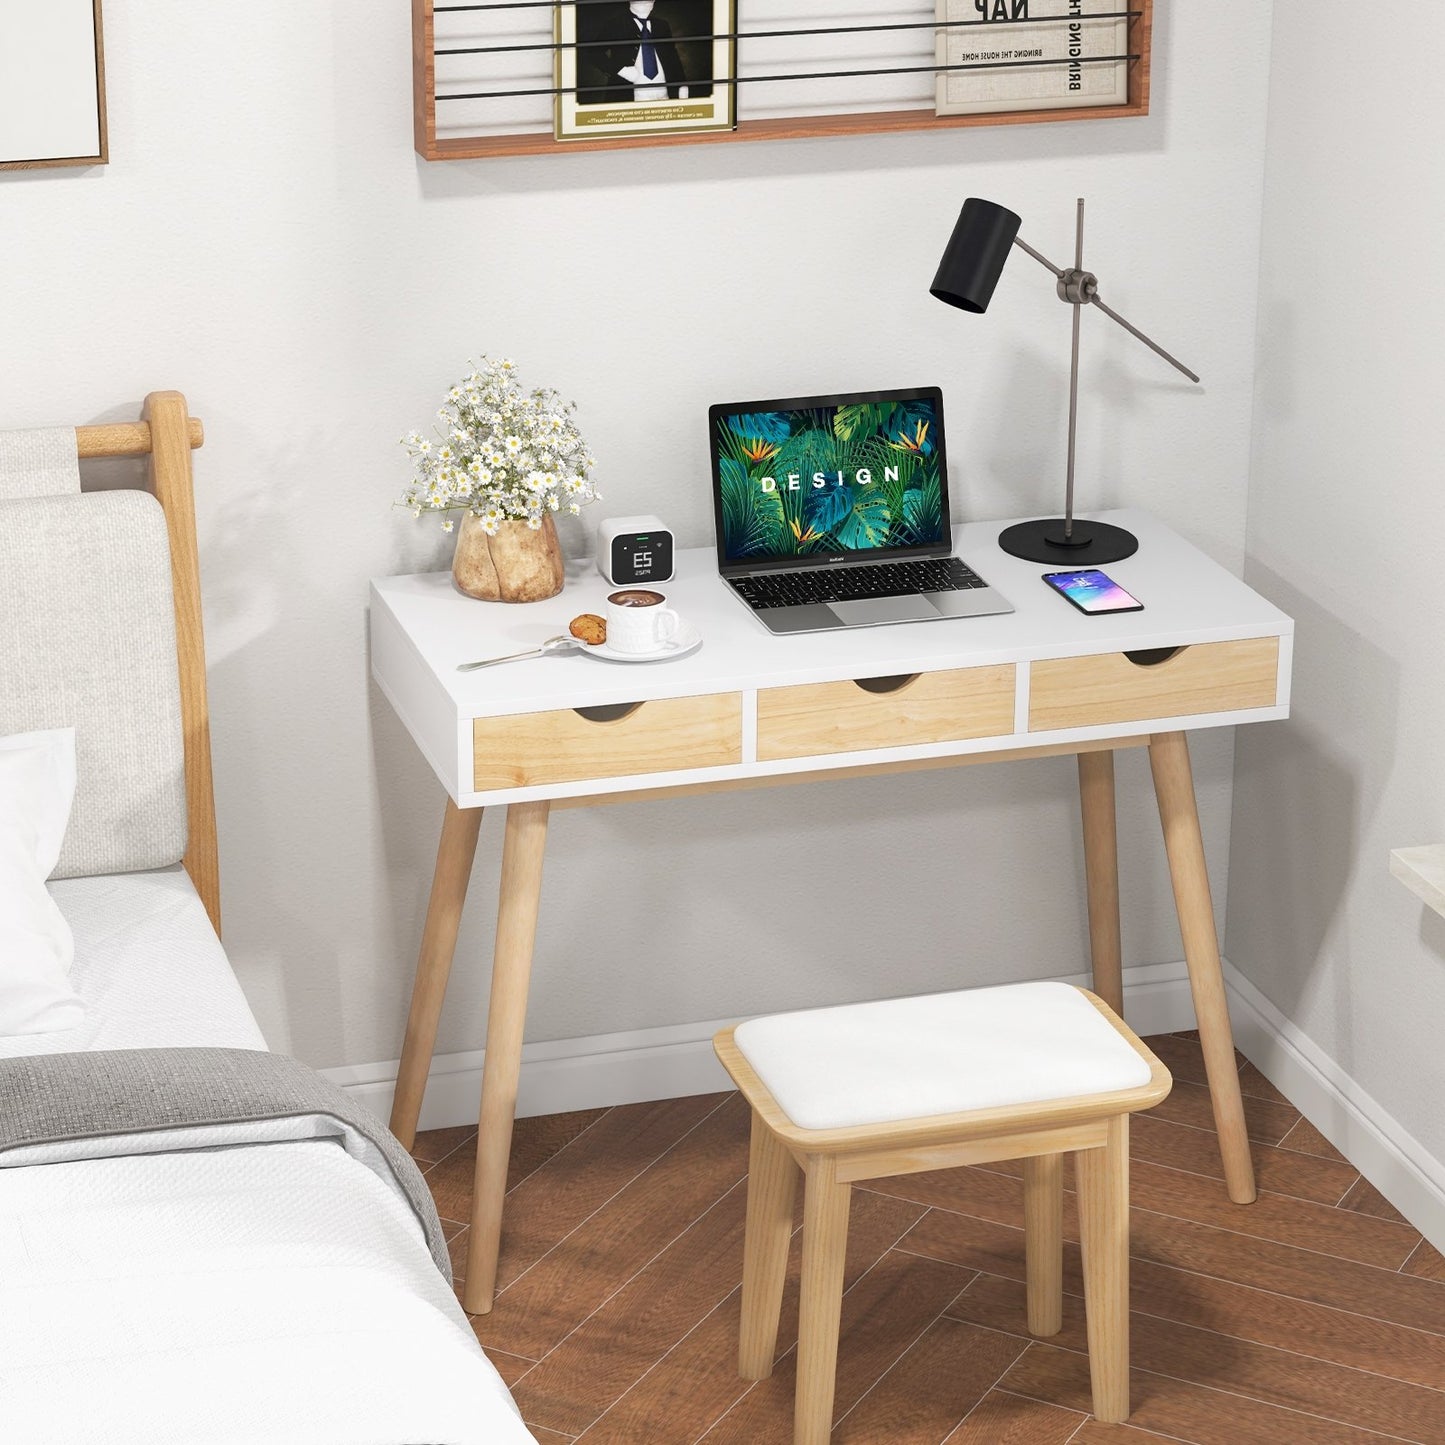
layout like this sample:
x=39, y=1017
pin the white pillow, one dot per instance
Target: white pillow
x=37, y=786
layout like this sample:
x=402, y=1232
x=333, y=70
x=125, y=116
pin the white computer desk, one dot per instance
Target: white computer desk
x=752, y=710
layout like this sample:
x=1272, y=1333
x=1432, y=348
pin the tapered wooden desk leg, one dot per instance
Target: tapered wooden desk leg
x=1101, y=868
x=455, y=852
x=772, y=1187
x=521, y=890
x=820, y=1306
x=1044, y=1242
x=1174, y=787
x=1103, y=1180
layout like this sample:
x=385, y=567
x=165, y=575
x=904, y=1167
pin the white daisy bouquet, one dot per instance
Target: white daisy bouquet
x=500, y=453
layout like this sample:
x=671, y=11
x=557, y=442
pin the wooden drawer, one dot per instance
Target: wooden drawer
x=1078, y=692
x=845, y=717
x=567, y=746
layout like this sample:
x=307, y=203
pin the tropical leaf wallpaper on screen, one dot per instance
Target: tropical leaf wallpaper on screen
x=824, y=480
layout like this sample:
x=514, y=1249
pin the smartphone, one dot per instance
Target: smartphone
x=1093, y=592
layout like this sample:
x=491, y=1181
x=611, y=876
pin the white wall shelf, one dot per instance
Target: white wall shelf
x=1422, y=871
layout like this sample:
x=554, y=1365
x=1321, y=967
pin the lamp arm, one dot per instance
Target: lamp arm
x=1041, y=259
x=1134, y=331
x=1107, y=310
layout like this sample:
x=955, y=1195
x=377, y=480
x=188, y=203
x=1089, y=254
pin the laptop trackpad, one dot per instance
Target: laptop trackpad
x=872, y=610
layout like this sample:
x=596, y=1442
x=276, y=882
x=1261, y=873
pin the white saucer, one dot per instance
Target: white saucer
x=688, y=639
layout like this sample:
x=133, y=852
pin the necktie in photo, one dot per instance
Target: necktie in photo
x=649, y=51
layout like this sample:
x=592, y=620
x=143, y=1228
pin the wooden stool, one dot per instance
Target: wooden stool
x=1028, y=1071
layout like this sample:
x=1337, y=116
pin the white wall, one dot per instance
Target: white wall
x=1345, y=515
x=266, y=241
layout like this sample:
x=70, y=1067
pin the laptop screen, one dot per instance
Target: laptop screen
x=812, y=479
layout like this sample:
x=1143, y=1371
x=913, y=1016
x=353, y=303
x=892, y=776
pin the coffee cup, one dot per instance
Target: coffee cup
x=639, y=621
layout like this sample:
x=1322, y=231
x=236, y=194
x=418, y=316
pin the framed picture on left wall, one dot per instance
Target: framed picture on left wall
x=52, y=84
x=647, y=67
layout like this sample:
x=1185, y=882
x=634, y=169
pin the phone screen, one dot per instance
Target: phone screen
x=1093, y=591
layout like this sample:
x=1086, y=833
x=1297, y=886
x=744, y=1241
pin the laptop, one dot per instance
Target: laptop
x=832, y=511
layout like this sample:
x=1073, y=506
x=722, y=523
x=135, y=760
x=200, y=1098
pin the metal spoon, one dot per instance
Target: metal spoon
x=552, y=644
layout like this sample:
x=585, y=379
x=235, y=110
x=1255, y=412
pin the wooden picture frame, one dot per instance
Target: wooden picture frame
x=593, y=102
x=434, y=145
x=52, y=84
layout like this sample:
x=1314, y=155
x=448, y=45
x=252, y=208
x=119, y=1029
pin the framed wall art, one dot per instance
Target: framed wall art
x=52, y=84
x=1006, y=55
x=503, y=78
x=650, y=67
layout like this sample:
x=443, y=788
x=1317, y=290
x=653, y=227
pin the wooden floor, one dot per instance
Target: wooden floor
x=1315, y=1315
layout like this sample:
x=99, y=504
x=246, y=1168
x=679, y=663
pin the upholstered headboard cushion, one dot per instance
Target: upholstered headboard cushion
x=88, y=640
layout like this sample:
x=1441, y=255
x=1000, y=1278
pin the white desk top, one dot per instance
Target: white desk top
x=1187, y=597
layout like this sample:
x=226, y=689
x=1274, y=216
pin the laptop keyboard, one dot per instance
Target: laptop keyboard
x=851, y=584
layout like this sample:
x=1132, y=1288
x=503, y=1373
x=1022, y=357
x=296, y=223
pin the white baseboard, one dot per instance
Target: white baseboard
x=1391, y=1158
x=668, y=1063
x=662, y=1063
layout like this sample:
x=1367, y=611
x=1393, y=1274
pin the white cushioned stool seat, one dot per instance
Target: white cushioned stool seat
x=947, y=1053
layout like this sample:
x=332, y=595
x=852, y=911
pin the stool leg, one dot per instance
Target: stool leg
x=825, y=1243
x=772, y=1185
x=1103, y=1187
x=1044, y=1242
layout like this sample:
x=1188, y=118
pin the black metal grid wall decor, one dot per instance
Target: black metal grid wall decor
x=494, y=78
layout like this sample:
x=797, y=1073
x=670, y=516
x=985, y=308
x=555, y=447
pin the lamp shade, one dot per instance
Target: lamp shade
x=975, y=256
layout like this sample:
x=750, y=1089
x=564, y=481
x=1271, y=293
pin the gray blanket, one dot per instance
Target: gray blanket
x=135, y=1101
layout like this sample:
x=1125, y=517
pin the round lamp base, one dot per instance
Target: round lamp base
x=1092, y=543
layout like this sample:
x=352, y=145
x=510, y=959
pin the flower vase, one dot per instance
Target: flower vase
x=516, y=564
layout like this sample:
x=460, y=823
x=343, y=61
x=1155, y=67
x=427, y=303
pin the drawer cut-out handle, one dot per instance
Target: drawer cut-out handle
x=885, y=684
x=1153, y=656
x=607, y=712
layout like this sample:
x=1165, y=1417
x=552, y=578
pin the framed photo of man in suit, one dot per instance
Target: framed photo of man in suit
x=645, y=67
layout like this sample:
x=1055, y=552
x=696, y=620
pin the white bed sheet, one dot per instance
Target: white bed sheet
x=268, y=1296
x=276, y=1295
x=149, y=968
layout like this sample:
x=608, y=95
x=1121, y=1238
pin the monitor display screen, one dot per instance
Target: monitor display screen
x=818, y=477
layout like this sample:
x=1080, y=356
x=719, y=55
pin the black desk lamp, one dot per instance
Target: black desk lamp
x=970, y=269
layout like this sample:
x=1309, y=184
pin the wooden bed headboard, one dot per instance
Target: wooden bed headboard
x=167, y=435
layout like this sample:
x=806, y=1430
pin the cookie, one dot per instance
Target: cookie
x=591, y=628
